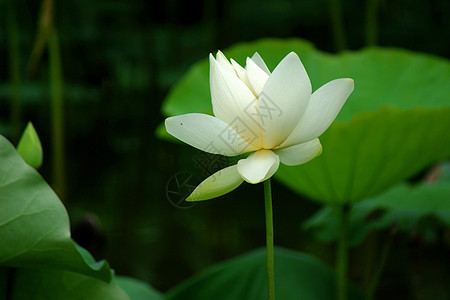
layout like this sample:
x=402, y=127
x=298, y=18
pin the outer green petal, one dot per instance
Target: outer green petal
x=218, y=184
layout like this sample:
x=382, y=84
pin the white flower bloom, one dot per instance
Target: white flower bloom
x=273, y=115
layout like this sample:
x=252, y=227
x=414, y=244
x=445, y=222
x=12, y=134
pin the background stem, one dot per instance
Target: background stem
x=337, y=25
x=342, y=254
x=371, y=22
x=57, y=115
x=269, y=240
x=14, y=69
x=380, y=266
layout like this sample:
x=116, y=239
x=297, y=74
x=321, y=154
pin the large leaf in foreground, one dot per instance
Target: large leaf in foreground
x=44, y=284
x=34, y=225
x=297, y=276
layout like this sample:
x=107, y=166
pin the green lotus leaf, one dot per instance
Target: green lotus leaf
x=44, y=284
x=34, y=225
x=138, y=290
x=383, y=77
x=371, y=153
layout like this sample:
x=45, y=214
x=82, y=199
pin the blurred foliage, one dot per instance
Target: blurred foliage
x=119, y=59
x=404, y=207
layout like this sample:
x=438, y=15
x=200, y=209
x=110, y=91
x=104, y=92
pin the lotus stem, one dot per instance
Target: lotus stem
x=380, y=266
x=14, y=69
x=269, y=240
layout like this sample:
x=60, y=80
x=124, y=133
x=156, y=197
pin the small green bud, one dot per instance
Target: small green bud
x=30, y=147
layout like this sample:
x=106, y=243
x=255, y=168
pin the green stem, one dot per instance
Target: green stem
x=14, y=69
x=269, y=240
x=337, y=25
x=380, y=266
x=342, y=254
x=371, y=22
x=57, y=115
x=44, y=29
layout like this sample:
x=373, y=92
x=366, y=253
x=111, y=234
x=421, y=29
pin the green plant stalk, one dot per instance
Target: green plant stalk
x=337, y=25
x=14, y=70
x=57, y=115
x=269, y=240
x=380, y=266
x=45, y=28
x=371, y=22
x=342, y=254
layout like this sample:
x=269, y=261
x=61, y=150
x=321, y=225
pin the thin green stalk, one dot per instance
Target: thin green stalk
x=342, y=254
x=337, y=25
x=57, y=115
x=380, y=266
x=14, y=69
x=45, y=28
x=269, y=240
x=371, y=22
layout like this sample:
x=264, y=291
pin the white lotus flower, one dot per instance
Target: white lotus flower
x=273, y=115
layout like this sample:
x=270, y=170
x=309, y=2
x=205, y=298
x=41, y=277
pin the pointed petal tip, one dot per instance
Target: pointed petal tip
x=212, y=60
x=220, y=53
x=293, y=54
x=190, y=199
x=221, y=57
